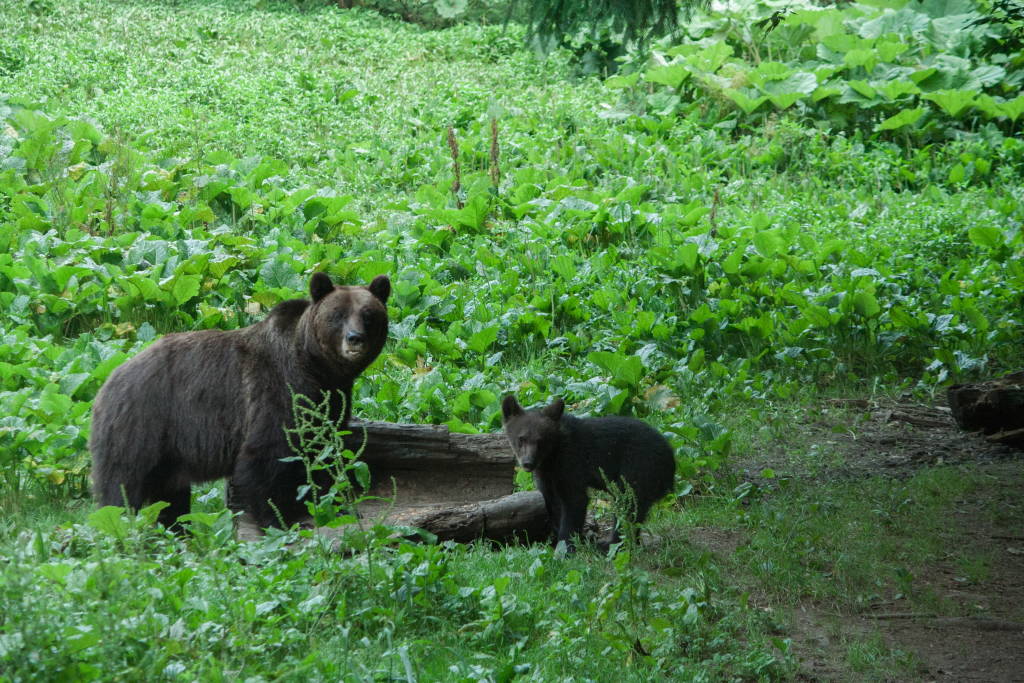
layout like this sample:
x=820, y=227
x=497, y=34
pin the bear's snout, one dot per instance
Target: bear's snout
x=354, y=345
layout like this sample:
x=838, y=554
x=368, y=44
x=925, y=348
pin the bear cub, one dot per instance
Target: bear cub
x=198, y=406
x=567, y=455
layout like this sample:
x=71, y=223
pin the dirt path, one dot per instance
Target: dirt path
x=978, y=633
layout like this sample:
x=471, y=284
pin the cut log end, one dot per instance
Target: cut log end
x=995, y=407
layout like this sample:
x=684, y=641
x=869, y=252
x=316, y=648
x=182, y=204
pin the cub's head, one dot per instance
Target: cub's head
x=533, y=434
x=350, y=324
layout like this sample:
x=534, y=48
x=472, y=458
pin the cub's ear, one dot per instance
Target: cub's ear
x=381, y=288
x=320, y=285
x=510, y=407
x=555, y=410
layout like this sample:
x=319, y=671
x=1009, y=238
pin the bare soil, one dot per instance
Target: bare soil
x=976, y=632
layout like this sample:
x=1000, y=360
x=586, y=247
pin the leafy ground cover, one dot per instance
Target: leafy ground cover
x=645, y=245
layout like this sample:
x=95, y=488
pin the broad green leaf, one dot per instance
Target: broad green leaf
x=474, y=213
x=769, y=242
x=277, y=273
x=626, y=371
x=800, y=82
x=185, y=287
x=769, y=71
x=1013, y=109
x=952, y=101
x=785, y=100
x=671, y=75
x=203, y=518
x=888, y=50
x=907, y=117
x=70, y=382
x=565, y=266
x=148, y=515
x=858, y=58
x=903, y=22
x=844, y=42
x=944, y=8
x=985, y=76
x=482, y=340
x=731, y=264
x=693, y=215
x=52, y=402
x=986, y=236
x=818, y=316
x=687, y=255
x=902, y=319
x=109, y=520
x=893, y=90
x=619, y=82
x=826, y=91
x=923, y=74
x=696, y=361
x=975, y=317
x=863, y=88
x=711, y=58
x=748, y=104
x=756, y=267
x=866, y=304
x=57, y=573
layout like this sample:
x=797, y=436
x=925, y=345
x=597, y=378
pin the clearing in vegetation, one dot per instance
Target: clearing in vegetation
x=775, y=246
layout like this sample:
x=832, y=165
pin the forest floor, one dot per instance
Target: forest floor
x=963, y=617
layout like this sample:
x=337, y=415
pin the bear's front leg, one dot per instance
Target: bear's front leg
x=268, y=486
x=551, y=502
x=180, y=503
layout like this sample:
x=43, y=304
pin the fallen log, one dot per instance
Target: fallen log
x=456, y=486
x=992, y=407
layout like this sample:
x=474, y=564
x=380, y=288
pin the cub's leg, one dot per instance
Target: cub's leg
x=551, y=502
x=574, y=513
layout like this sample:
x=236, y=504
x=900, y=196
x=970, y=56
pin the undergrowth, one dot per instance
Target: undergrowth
x=694, y=241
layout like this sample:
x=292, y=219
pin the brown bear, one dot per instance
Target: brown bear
x=198, y=406
x=567, y=455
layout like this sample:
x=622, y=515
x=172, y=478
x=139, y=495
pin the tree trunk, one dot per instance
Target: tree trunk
x=456, y=486
x=995, y=407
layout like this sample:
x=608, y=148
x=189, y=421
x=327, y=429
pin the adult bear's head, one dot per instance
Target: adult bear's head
x=349, y=324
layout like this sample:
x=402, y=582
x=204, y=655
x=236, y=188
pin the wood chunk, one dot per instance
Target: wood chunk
x=1014, y=437
x=995, y=406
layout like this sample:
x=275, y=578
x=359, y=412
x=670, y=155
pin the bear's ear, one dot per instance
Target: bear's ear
x=510, y=407
x=381, y=288
x=554, y=411
x=320, y=285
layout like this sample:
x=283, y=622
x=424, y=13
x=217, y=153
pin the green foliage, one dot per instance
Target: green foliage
x=552, y=20
x=762, y=215
x=914, y=70
x=117, y=598
x=617, y=295
x=322, y=447
x=439, y=13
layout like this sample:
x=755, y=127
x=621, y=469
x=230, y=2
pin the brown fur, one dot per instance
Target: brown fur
x=198, y=406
